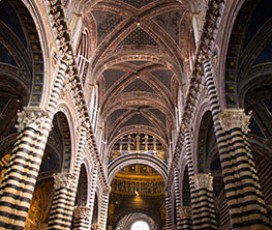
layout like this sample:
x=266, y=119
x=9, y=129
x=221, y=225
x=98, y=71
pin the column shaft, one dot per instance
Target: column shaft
x=245, y=201
x=203, y=202
x=177, y=198
x=168, y=225
x=104, y=211
x=185, y=218
x=61, y=212
x=82, y=218
x=19, y=181
x=63, y=203
x=203, y=209
x=92, y=192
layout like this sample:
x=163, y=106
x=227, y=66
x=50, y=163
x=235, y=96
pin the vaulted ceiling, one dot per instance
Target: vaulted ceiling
x=137, y=54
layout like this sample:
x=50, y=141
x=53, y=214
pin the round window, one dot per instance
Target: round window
x=140, y=225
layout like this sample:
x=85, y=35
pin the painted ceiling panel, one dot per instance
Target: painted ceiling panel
x=117, y=114
x=170, y=22
x=164, y=76
x=137, y=3
x=111, y=76
x=138, y=85
x=139, y=37
x=106, y=22
x=139, y=120
x=161, y=116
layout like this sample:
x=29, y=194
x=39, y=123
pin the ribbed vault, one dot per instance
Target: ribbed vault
x=138, y=64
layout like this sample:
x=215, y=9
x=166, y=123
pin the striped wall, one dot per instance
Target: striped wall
x=245, y=200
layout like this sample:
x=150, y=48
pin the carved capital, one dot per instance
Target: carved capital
x=106, y=192
x=203, y=180
x=234, y=118
x=31, y=117
x=185, y=212
x=95, y=227
x=82, y=212
x=64, y=180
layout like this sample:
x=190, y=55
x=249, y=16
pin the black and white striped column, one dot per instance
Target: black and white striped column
x=34, y=126
x=103, y=212
x=202, y=204
x=93, y=185
x=168, y=205
x=82, y=219
x=63, y=203
x=177, y=197
x=185, y=213
x=66, y=185
x=184, y=219
x=245, y=201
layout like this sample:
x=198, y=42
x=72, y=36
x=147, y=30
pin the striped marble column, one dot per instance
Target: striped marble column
x=103, y=213
x=63, y=203
x=177, y=197
x=203, y=203
x=93, y=185
x=82, y=218
x=66, y=185
x=200, y=196
x=34, y=126
x=245, y=200
x=185, y=215
x=168, y=224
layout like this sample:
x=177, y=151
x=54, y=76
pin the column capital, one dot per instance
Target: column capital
x=95, y=227
x=82, y=212
x=233, y=118
x=31, y=117
x=64, y=180
x=203, y=180
x=107, y=191
x=185, y=212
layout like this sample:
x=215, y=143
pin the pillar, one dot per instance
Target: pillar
x=63, y=203
x=185, y=217
x=82, y=218
x=66, y=185
x=168, y=205
x=177, y=197
x=203, y=202
x=246, y=205
x=34, y=126
x=103, y=212
x=92, y=191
